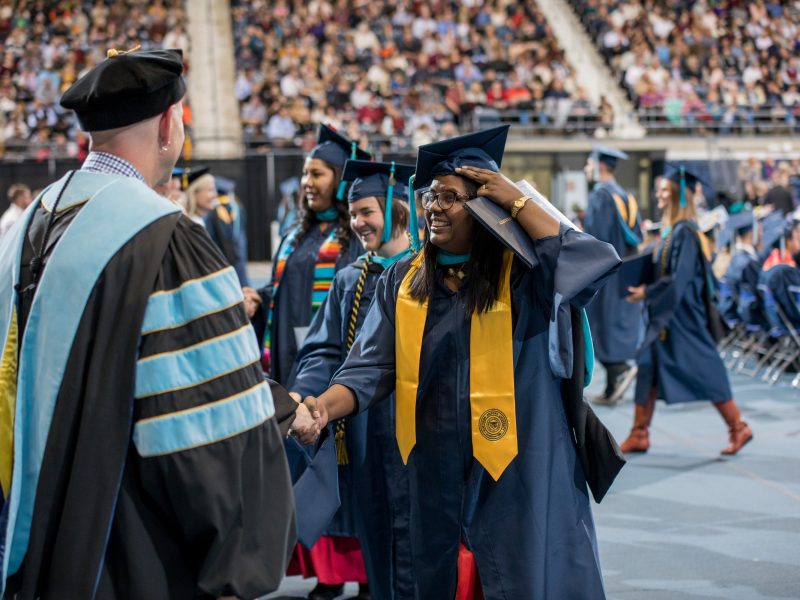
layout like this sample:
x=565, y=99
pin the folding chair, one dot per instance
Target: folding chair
x=789, y=355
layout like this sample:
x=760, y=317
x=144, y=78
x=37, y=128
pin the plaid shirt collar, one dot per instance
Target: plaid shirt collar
x=103, y=162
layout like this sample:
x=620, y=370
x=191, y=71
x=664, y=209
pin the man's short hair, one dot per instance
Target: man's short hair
x=16, y=190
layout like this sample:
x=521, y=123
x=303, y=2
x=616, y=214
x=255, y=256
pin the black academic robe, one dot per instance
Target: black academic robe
x=112, y=520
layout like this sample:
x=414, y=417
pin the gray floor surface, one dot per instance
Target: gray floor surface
x=683, y=523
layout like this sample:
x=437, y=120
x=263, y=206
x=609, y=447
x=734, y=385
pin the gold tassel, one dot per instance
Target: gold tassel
x=341, y=449
x=112, y=52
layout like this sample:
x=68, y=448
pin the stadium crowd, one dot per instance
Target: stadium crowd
x=398, y=68
x=724, y=65
x=46, y=46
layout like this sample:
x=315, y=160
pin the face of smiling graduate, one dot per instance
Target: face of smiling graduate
x=318, y=183
x=450, y=229
x=366, y=221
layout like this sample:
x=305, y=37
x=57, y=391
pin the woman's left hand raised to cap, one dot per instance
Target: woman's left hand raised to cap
x=495, y=186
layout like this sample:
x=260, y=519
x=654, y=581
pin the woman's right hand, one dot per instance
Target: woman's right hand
x=305, y=426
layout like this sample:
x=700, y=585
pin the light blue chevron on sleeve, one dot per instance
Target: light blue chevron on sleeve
x=204, y=425
x=192, y=300
x=202, y=362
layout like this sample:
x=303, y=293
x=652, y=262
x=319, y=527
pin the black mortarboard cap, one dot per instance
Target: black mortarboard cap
x=774, y=227
x=609, y=156
x=375, y=179
x=187, y=175
x=335, y=149
x=224, y=185
x=372, y=179
x=126, y=88
x=672, y=171
x=482, y=149
x=741, y=222
x=773, y=237
x=676, y=172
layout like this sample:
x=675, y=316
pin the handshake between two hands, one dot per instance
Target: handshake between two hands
x=310, y=419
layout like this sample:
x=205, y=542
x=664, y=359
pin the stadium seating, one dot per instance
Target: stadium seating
x=393, y=73
x=48, y=45
x=722, y=67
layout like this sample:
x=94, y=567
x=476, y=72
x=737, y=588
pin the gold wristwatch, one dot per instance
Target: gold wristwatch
x=517, y=206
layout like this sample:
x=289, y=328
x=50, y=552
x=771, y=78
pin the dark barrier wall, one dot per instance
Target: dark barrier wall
x=258, y=180
x=258, y=198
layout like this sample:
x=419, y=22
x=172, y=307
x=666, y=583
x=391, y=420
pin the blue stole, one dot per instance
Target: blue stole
x=117, y=208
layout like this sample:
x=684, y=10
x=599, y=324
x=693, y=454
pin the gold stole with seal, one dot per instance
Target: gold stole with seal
x=491, y=373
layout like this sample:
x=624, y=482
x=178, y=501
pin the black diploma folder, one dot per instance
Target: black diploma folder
x=636, y=270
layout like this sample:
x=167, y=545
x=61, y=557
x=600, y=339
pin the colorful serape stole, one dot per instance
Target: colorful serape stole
x=324, y=271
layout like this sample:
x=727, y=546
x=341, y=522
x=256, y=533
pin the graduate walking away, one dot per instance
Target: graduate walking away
x=612, y=216
x=678, y=361
x=147, y=462
x=373, y=482
x=463, y=333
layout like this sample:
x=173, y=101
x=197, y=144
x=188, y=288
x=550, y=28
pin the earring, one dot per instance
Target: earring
x=165, y=147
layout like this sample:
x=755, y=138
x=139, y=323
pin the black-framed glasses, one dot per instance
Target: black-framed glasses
x=445, y=199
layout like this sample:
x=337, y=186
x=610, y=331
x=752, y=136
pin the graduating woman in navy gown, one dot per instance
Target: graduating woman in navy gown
x=372, y=479
x=678, y=360
x=475, y=344
x=310, y=254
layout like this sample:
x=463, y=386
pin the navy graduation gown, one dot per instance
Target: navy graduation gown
x=293, y=301
x=683, y=363
x=614, y=322
x=751, y=302
x=532, y=531
x=731, y=284
x=373, y=486
x=783, y=283
x=226, y=225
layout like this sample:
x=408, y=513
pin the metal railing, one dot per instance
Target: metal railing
x=524, y=123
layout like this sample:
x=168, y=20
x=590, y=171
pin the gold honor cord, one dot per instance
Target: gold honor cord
x=8, y=397
x=491, y=364
x=341, y=448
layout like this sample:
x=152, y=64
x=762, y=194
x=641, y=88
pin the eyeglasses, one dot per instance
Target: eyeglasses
x=445, y=199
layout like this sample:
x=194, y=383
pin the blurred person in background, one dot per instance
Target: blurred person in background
x=19, y=197
x=612, y=215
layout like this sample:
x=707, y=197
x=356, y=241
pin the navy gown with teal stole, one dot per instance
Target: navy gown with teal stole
x=373, y=484
x=293, y=300
x=155, y=433
x=531, y=531
x=678, y=355
x=615, y=323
